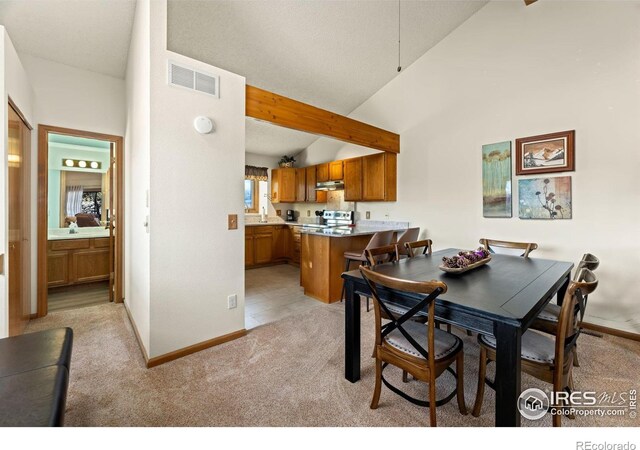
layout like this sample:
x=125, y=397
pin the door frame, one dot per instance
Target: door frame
x=43, y=207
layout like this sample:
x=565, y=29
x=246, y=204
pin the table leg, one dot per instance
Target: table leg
x=351, y=334
x=563, y=290
x=507, y=381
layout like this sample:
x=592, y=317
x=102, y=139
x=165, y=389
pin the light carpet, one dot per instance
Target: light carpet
x=287, y=373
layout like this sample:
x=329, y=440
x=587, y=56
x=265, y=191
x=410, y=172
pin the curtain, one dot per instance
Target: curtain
x=74, y=200
x=256, y=173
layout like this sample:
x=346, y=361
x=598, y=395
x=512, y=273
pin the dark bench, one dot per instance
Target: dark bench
x=34, y=376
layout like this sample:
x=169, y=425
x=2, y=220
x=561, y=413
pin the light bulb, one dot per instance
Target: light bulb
x=94, y=165
x=82, y=164
x=69, y=163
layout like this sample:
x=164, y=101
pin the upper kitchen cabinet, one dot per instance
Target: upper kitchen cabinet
x=322, y=172
x=314, y=196
x=301, y=184
x=283, y=185
x=379, y=178
x=336, y=171
x=353, y=180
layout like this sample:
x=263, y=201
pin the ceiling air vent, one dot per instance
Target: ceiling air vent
x=194, y=80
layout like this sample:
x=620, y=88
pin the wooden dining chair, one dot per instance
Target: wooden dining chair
x=421, y=350
x=379, y=239
x=547, y=320
x=409, y=235
x=492, y=244
x=412, y=247
x=380, y=255
x=544, y=357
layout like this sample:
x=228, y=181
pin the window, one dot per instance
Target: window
x=251, y=195
x=92, y=203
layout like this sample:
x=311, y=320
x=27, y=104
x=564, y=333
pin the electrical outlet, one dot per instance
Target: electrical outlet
x=278, y=212
x=368, y=214
x=232, y=301
x=308, y=213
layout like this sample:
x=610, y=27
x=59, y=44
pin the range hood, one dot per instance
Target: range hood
x=330, y=186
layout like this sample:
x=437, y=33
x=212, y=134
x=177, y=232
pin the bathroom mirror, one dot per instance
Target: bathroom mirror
x=78, y=184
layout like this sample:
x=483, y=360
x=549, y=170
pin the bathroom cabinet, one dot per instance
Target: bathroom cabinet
x=77, y=261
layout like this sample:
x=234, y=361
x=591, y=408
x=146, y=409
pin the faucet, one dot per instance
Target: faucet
x=263, y=216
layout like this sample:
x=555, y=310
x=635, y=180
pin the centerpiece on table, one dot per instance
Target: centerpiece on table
x=465, y=261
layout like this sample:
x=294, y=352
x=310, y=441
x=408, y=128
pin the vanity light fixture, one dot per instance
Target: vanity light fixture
x=82, y=164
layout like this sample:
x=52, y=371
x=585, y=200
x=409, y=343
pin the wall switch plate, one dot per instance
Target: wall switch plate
x=233, y=221
x=232, y=301
x=368, y=214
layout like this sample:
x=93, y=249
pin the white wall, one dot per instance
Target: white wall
x=195, y=261
x=510, y=72
x=15, y=84
x=137, y=172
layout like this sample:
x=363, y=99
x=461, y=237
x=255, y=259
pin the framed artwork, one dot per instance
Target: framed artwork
x=496, y=180
x=545, y=198
x=547, y=153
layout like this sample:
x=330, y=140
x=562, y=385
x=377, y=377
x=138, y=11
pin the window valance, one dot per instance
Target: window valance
x=256, y=173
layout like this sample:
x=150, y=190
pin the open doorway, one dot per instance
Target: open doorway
x=80, y=219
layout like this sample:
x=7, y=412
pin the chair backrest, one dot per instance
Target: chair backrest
x=412, y=247
x=379, y=255
x=568, y=321
x=428, y=291
x=588, y=261
x=380, y=239
x=409, y=235
x=526, y=247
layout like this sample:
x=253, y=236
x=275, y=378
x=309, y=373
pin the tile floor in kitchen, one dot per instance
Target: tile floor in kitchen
x=274, y=292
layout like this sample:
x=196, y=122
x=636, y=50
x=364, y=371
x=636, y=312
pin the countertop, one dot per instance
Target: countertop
x=59, y=234
x=271, y=224
x=347, y=231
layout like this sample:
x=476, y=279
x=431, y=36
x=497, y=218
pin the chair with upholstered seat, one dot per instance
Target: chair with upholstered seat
x=412, y=247
x=421, y=350
x=409, y=235
x=525, y=247
x=544, y=357
x=379, y=239
x=547, y=320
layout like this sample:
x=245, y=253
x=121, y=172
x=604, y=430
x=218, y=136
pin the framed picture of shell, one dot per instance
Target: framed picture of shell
x=546, y=153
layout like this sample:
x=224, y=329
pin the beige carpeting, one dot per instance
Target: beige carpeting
x=287, y=373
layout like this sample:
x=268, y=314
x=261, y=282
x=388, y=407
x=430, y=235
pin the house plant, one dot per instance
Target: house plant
x=286, y=161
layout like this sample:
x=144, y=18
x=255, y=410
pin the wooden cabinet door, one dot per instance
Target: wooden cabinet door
x=373, y=186
x=301, y=185
x=57, y=269
x=279, y=241
x=249, y=259
x=287, y=185
x=322, y=172
x=263, y=247
x=275, y=185
x=91, y=265
x=311, y=183
x=353, y=180
x=336, y=172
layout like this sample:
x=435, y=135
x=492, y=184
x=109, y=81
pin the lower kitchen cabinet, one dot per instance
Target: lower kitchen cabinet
x=271, y=244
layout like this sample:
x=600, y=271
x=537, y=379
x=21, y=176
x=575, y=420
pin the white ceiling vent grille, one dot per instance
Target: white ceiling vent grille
x=194, y=80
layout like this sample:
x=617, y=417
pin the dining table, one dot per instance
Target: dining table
x=500, y=298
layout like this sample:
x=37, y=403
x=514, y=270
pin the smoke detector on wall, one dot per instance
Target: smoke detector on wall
x=185, y=77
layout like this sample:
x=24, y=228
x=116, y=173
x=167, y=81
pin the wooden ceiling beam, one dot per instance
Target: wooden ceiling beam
x=286, y=112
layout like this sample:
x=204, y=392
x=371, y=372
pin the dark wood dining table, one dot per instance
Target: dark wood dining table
x=501, y=298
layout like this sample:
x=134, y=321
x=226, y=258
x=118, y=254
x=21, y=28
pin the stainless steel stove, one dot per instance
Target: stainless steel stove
x=334, y=219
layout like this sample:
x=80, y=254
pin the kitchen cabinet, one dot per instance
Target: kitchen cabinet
x=379, y=177
x=249, y=258
x=265, y=244
x=301, y=184
x=314, y=196
x=280, y=234
x=336, y=171
x=322, y=172
x=353, y=180
x=77, y=261
x=283, y=185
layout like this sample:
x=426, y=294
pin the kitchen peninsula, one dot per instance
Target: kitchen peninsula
x=322, y=258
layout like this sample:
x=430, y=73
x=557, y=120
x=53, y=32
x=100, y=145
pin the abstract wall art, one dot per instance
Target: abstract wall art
x=496, y=180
